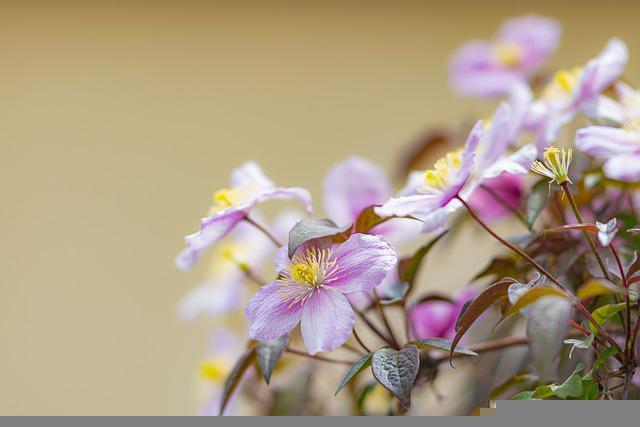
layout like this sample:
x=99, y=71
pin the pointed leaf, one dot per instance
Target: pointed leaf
x=525, y=395
x=547, y=324
x=533, y=295
x=479, y=305
x=537, y=200
x=358, y=366
x=602, y=314
x=603, y=357
x=570, y=227
x=235, y=376
x=441, y=344
x=397, y=371
x=408, y=267
x=269, y=353
x=368, y=219
x=311, y=228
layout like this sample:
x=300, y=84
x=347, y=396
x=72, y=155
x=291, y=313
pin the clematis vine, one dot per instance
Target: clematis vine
x=249, y=187
x=493, y=68
x=311, y=290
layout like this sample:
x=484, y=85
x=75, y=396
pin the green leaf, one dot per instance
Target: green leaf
x=590, y=389
x=531, y=296
x=235, y=376
x=358, y=366
x=362, y=395
x=408, y=267
x=311, y=228
x=603, y=357
x=499, y=266
x=269, y=353
x=604, y=313
x=441, y=344
x=536, y=201
x=397, y=371
x=479, y=305
x=572, y=387
x=525, y=395
x=542, y=392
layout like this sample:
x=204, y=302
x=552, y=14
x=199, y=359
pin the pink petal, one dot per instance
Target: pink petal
x=623, y=168
x=363, y=263
x=604, y=141
x=212, y=230
x=327, y=321
x=270, y=315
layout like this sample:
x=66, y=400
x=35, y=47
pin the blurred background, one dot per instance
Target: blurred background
x=119, y=120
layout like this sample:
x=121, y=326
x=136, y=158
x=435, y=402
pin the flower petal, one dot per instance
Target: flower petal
x=363, y=263
x=604, y=141
x=517, y=163
x=250, y=174
x=270, y=316
x=537, y=36
x=623, y=168
x=408, y=205
x=212, y=230
x=281, y=193
x=327, y=321
x=600, y=72
x=437, y=219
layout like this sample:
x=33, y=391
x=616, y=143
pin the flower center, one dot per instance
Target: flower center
x=305, y=274
x=308, y=272
x=555, y=166
x=563, y=82
x=443, y=169
x=507, y=53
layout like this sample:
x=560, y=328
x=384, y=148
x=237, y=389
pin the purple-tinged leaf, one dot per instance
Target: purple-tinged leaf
x=311, y=228
x=397, y=371
x=235, y=376
x=269, y=353
x=358, y=366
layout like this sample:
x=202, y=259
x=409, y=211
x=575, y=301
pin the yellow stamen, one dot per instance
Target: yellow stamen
x=555, y=166
x=438, y=177
x=305, y=273
x=563, y=83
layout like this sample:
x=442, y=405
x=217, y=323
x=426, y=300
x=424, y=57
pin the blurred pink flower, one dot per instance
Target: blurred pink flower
x=492, y=68
x=437, y=318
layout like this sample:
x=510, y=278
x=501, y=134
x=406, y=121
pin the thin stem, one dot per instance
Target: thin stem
x=352, y=349
x=362, y=344
x=505, y=204
x=264, y=231
x=373, y=327
x=623, y=276
x=320, y=358
x=576, y=303
x=627, y=382
x=576, y=212
x=376, y=301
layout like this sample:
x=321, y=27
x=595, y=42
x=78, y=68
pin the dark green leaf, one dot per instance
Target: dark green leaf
x=479, y=305
x=358, y=366
x=397, y=371
x=525, y=395
x=269, y=353
x=441, y=344
x=542, y=392
x=500, y=266
x=572, y=387
x=603, y=357
x=408, y=267
x=310, y=228
x=536, y=201
x=590, y=389
x=235, y=376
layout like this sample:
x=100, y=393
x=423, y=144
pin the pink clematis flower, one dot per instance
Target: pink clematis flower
x=510, y=189
x=624, y=110
x=311, y=286
x=492, y=68
x=620, y=147
x=437, y=319
x=249, y=187
x=578, y=89
x=460, y=173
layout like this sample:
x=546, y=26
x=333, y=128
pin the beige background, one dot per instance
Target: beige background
x=118, y=121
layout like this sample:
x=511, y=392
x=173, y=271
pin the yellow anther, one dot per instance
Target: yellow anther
x=304, y=273
x=438, y=176
x=555, y=166
x=563, y=82
x=508, y=54
x=215, y=369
